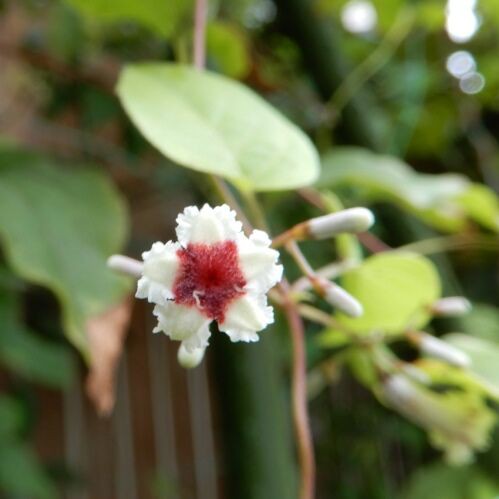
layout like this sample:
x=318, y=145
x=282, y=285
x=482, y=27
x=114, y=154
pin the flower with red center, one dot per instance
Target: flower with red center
x=213, y=273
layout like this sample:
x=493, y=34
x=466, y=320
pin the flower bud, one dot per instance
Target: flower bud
x=439, y=349
x=451, y=306
x=351, y=221
x=192, y=359
x=338, y=297
x=125, y=265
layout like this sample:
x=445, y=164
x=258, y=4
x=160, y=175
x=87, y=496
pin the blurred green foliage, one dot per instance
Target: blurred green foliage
x=435, y=173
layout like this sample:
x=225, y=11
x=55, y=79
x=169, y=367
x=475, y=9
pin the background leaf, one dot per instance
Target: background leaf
x=21, y=475
x=28, y=355
x=161, y=16
x=209, y=123
x=484, y=356
x=58, y=227
x=386, y=178
x=228, y=49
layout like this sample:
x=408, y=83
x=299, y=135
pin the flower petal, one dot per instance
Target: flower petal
x=208, y=225
x=246, y=316
x=160, y=266
x=184, y=324
x=259, y=262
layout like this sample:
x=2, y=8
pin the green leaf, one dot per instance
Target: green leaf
x=161, y=16
x=386, y=178
x=28, y=355
x=21, y=474
x=445, y=482
x=212, y=124
x=482, y=321
x=57, y=227
x=484, y=356
x=228, y=50
x=394, y=289
x=482, y=205
x=11, y=417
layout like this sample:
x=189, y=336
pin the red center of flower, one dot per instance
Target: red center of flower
x=209, y=277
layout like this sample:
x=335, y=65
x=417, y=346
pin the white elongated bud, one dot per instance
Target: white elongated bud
x=339, y=298
x=189, y=360
x=451, y=306
x=435, y=347
x=350, y=221
x=125, y=265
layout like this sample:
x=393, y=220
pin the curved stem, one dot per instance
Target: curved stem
x=299, y=397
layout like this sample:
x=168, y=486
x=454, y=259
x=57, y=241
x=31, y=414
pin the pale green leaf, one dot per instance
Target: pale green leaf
x=484, y=357
x=212, y=124
x=482, y=321
x=58, y=226
x=394, y=289
x=161, y=16
x=386, y=178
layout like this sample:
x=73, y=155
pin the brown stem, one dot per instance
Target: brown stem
x=299, y=396
x=200, y=33
x=372, y=243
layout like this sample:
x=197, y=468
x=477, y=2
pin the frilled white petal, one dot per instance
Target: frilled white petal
x=208, y=225
x=259, y=262
x=160, y=266
x=184, y=324
x=245, y=316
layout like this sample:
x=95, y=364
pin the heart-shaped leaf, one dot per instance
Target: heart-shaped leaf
x=212, y=124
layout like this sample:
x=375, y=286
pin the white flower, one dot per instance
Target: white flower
x=213, y=273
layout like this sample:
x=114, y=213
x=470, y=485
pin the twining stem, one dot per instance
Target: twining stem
x=200, y=33
x=299, y=396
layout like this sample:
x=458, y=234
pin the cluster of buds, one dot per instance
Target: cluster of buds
x=349, y=221
x=215, y=273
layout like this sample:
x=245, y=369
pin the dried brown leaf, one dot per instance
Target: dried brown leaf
x=106, y=334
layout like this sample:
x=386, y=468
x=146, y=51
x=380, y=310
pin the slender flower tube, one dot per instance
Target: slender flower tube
x=213, y=273
x=349, y=221
x=352, y=220
x=338, y=297
x=439, y=349
x=452, y=306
